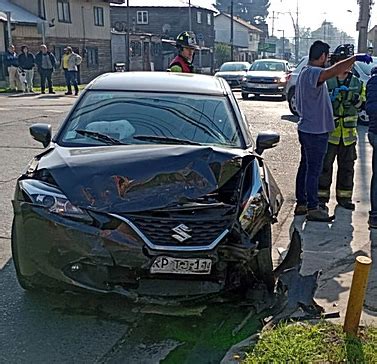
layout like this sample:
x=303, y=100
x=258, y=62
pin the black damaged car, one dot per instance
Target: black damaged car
x=152, y=187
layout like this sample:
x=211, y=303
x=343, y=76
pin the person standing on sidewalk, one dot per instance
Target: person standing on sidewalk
x=11, y=63
x=371, y=109
x=186, y=45
x=347, y=95
x=46, y=63
x=26, y=62
x=316, y=121
x=70, y=62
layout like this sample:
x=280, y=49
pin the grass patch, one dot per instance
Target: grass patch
x=320, y=343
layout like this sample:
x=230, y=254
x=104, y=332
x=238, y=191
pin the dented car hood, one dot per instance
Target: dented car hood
x=140, y=177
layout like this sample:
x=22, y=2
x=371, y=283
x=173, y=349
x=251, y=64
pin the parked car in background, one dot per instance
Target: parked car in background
x=152, y=187
x=233, y=72
x=360, y=70
x=266, y=77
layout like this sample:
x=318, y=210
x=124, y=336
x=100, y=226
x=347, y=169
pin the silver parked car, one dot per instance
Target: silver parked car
x=360, y=70
x=266, y=77
x=233, y=72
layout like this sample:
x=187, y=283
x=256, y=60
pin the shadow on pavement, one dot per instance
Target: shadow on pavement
x=77, y=328
x=291, y=118
x=327, y=247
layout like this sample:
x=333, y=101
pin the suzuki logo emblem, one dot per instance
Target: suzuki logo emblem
x=181, y=233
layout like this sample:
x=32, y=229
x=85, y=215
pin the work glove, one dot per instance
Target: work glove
x=366, y=58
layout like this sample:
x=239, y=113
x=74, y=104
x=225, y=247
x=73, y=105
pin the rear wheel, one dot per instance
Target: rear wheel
x=245, y=96
x=292, y=101
x=264, y=269
x=256, y=96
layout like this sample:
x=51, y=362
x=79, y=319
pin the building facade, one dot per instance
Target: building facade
x=246, y=36
x=82, y=24
x=166, y=19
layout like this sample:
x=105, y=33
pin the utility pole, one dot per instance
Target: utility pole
x=362, y=24
x=9, y=27
x=273, y=23
x=282, y=30
x=190, y=20
x=231, y=32
x=128, y=37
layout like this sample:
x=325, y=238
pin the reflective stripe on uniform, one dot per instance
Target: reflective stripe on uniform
x=344, y=194
x=324, y=193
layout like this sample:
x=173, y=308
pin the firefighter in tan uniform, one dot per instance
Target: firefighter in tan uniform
x=347, y=94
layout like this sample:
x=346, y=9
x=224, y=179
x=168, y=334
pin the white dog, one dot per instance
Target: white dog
x=22, y=78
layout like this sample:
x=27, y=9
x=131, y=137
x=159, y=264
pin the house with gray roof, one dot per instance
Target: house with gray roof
x=166, y=19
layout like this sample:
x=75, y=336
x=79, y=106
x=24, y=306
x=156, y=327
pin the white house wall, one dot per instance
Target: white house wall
x=222, y=32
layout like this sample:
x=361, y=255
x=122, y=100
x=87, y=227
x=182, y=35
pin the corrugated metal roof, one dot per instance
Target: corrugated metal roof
x=204, y=4
x=18, y=14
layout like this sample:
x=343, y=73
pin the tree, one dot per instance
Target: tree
x=253, y=11
x=222, y=54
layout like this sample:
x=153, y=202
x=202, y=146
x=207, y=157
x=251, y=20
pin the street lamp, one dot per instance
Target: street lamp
x=282, y=30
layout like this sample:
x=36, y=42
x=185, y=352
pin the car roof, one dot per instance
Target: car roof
x=236, y=62
x=270, y=60
x=159, y=81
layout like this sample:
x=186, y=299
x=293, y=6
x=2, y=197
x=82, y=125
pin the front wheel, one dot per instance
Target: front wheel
x=292, y=101
x=264, y=266
x=245, y=96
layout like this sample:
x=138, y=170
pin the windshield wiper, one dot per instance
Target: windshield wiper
x=99, y=136
x=168, y=140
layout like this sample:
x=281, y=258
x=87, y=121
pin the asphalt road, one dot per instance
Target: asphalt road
x=38, y=328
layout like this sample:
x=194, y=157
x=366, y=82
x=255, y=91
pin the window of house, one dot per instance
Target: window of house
x=209, y=19
x=59, y=52
x=251, y=37
x=135, y=49
x=64, y=11
x=42, y=9
x=199, y=17
x=92, y=57
x=142, y=17
x=98, y=16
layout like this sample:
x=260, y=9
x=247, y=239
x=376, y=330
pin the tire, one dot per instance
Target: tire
x=292, y=101
x=264, y=266
x=283, y=97
x=256, y=96
x=24, y=282
x=245, y=96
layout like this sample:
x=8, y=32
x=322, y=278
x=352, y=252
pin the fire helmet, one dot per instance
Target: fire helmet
x=186, y=40
x=341, y=52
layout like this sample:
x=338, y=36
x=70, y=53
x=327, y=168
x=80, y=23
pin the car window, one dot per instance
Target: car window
x=234, y=67
x=366, y=68
x=127, y=115
x=268, y=66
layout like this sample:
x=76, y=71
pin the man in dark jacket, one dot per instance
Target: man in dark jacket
x=11, y=63
x=371, y=109
x=46, y=63
x=26, y=62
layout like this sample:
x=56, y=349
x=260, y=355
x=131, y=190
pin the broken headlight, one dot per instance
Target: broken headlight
x=48, y=196
x=251, y=209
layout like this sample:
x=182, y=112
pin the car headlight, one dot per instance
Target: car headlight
x=243, y=79
x=253, y=207
x=48, y=196
x=281, y=79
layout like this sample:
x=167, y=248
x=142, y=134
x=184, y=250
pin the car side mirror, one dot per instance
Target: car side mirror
x=217, y=70
x=42, y=133
x=266, y=140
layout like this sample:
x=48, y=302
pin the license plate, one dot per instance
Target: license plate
x=181, y=266
x=261, y=85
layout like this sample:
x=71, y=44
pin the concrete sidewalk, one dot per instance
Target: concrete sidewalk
x=332, y=248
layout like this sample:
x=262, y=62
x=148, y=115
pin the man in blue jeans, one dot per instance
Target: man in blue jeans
x=371, y=109
x=316, y=121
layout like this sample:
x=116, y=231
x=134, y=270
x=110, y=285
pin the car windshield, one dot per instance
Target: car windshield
x=366, y=68
x=233, y=67
x=267, y=66
x=117, y=117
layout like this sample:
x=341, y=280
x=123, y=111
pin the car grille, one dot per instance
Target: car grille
x=262, y=80
x=159, y=231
